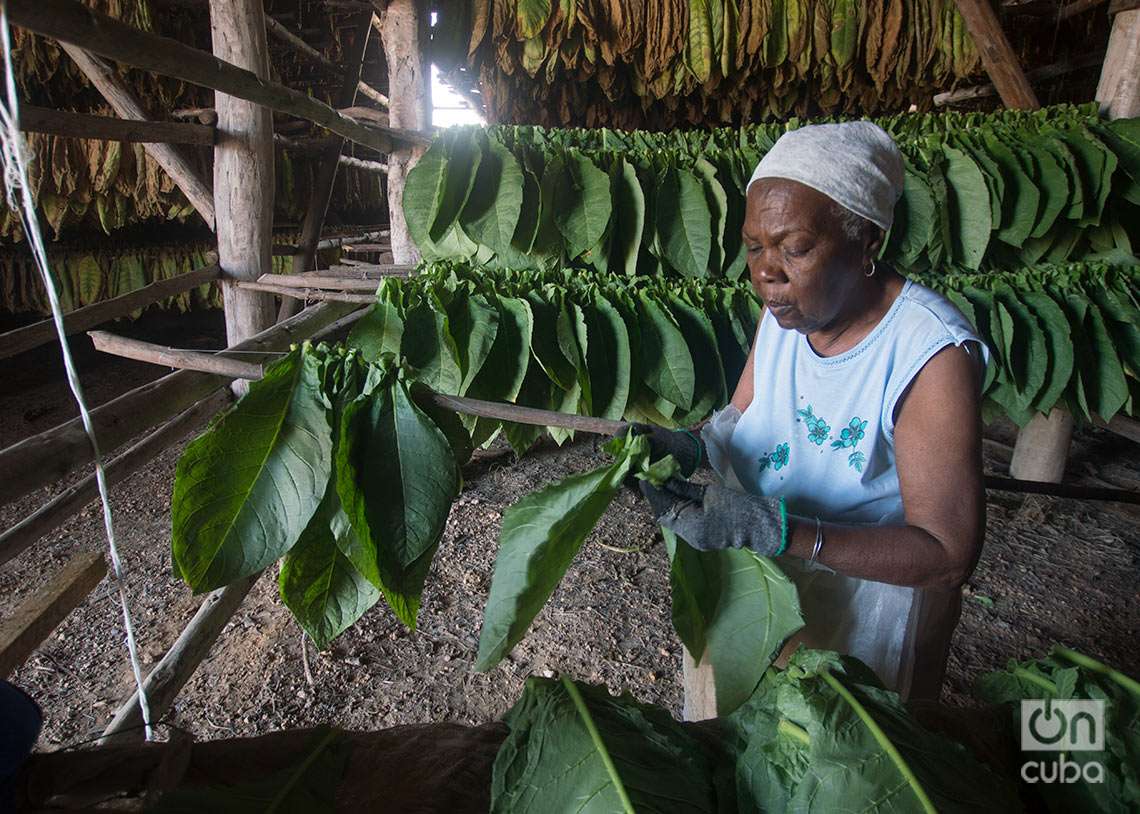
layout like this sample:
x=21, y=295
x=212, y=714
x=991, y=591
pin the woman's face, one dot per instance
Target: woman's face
x=801, y=263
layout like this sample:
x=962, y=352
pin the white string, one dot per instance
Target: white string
x=15, y=161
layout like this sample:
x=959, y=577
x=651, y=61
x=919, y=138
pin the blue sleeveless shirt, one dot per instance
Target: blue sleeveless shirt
x=820, y=433
x=820, y=430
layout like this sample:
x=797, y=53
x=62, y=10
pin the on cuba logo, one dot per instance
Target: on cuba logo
x=1064, y=726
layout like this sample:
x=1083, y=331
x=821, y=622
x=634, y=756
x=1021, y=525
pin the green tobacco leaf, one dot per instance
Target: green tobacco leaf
x=583, y=203
x=694, y=582
x=463, y=158
x=1105, y=384
x=607, y=359
x=429, y=348
x=1053, y=183
x=491, y=213
x=378, y=332
x=710, y=390
x=969, y=208
x=628, y=215
x=502, y=374
x=1060, y=347
x=914, y=220
x=540, y=536
x=396, y=478
x=717, y=202
x=474, y=323
x=423, y=190
x=1022, y=198
x=575, y=747
x=318, y=582
x=246, y=489
x=668, y=364
x=553, y=338
x=684, y=223
x=1029, y=360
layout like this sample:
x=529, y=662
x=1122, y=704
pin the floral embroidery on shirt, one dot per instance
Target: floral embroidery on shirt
x=777, y=460
x=856, y=460
x=818, y=429
x=851, y=435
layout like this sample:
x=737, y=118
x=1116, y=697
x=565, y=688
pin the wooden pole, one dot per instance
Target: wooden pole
x=23, y=630
x=80, y=125
x=1042, y=447
x=308, y=293
x=71, y=22
x=1037, y=75
x=52, y=454
x=123, y=101
x=81, y=319
x=63, y=506
x=178, y=665
x=315, y=279
x=321, y=192
x=243, y=170
x=301, y=47
x=173, y=357
x=1119, y=88
x=997, y=55
x=410, y=91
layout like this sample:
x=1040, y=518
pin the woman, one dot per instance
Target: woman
x=852, y=446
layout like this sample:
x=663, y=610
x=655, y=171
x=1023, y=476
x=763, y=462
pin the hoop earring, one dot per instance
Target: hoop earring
x=870, y=273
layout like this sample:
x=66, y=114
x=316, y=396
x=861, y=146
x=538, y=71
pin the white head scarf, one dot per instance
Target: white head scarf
x=856, y=164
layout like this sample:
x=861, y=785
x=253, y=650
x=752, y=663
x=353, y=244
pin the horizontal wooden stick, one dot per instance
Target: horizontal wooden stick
x=362, y=164
x=327, y=282
x=369, y=247
x=25, y=629
x=81, y=319
x=334, y=242
x=306, y=293
x=1121, y=425
x=50, y=455
x=172, y=357
x=176, y=667
x=72, y=22
x=108, y=128
x=66, y=504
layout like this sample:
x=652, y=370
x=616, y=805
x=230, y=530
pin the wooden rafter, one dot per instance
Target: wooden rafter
x=997, y=55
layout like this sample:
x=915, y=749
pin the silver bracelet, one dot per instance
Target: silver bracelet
x=818, y=541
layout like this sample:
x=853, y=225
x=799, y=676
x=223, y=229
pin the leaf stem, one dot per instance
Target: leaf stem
x=882, y=739
x=1089, y=663
x=1033, y=678
x=596, y=737
x=793, y=730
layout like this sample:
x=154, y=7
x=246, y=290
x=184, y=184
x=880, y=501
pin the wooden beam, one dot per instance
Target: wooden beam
x=19, y=340
x=409, y=86
x=243, y=170
x=175, y=668
x=106, y=128
x=25, y=628
x=997, y=55
x=325, y=281
x=128, y=348
x=327, y=163
x=50, y=455
x=362, y=164
x=307, y=293
x=334, y=242
x=1119, y=88
x=283, y=34
x=66, y=504
x=1122, y=425
x=123, y=101
x=71, y=22
x=1035, y=76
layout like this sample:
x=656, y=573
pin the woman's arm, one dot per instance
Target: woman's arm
x=938, y=449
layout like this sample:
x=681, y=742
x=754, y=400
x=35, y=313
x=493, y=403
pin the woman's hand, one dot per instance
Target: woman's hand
x=685, y=446
x=716, y=517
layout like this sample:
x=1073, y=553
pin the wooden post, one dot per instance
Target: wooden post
x=997, y=55
x=327, y=164
x=409, y=108
x=243, y=170
x=26, y=628
x=700, y=689
x=1042, y=447
x=173, y=163
x=178, y=665
x=1119, y=88
x=109, y=128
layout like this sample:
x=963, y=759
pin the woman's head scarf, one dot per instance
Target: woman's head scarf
x=856, y=164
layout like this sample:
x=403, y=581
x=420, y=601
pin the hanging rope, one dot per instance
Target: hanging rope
x=19, y=195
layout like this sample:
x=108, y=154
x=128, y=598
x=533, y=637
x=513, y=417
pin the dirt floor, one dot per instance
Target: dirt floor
x=1052, y=571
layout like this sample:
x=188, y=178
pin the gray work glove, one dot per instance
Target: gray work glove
x=714, y=517
x=685, y=446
